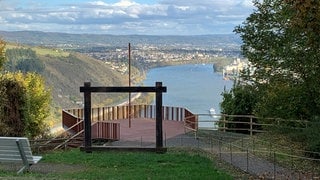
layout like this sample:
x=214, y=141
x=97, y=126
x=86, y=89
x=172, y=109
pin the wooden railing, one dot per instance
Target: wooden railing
x=251, y=124
x=137, y=111
x=71, y=122
x=106, y=130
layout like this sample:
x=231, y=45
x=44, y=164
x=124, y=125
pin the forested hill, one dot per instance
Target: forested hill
x=64, y=72
x=85, y=40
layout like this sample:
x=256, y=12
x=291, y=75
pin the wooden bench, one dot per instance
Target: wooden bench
x=17, y=150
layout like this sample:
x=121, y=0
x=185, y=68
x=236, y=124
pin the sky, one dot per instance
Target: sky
x=125, y=17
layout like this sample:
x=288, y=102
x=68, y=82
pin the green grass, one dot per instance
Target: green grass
x=43, y=51
x=129, y=165
x=50, y=52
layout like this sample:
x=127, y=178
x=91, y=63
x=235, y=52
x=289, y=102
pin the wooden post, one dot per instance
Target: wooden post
x=87, y=117
x=159, y=135
x=129, y=115
x=224, y=123
x=251, y=126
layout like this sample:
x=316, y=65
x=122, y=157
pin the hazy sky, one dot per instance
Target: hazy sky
x=148, y=17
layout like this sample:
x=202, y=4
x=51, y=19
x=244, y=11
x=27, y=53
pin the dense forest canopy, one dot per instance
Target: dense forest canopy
x=24, y=60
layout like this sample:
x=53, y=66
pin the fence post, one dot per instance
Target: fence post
x=165, y=139
x=198, y=141
x=274, y=165
x=211, y=145
x=141, y=141
x=230, y=153
x=270, y=149
x=224, y=123
x=251, y=126
x=247, y=159
x=242, y=142
x=253, y=145
x=219, y=149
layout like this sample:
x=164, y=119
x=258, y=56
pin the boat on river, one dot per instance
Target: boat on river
x=213, y=113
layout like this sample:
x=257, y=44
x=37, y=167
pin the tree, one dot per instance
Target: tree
x=13, y=100
x=24, y=60
x=25, y=104
x=281, y=40
x=240, y=100
x=2, y=53
x=25, y=101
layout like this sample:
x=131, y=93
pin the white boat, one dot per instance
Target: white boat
x=213, y=113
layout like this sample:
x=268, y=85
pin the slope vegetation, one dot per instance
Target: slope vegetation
x=64, y=75
x=65, y=72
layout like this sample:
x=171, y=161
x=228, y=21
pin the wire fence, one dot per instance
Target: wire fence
x=245, y=153
x=264, y=159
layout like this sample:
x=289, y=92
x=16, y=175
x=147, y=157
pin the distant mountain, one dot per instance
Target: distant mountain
x=89, y=40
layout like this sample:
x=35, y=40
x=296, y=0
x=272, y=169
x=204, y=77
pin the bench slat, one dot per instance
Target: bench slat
x=11, y=141
x=17, y=150
x=18, y=157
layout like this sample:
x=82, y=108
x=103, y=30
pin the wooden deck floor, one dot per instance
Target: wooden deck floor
x=144, y=129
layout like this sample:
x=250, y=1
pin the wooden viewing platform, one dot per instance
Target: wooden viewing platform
x=144, y=129
x=176, y=120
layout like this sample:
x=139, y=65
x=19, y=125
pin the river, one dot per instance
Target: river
x=193, y=86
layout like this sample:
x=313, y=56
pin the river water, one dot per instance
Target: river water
x=193, y=86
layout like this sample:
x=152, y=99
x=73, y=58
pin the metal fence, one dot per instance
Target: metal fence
x=244, y=153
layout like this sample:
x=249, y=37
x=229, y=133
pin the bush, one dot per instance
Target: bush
x=25, y=104
x=240, y=100
x=13, y=100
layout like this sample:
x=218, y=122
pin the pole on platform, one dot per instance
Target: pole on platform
x=129, y=109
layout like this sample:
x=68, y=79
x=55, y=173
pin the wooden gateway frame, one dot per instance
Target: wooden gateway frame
x=87, y=90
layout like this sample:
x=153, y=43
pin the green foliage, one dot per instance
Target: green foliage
x=281, y=39
x=240, y=100
x=13, y=99
x=281, y=100
x=38, y=104
x=25, y=105
x=24, y=60
x=2, y=53
x=283, y=46
x=312, y=134
x=66, y=74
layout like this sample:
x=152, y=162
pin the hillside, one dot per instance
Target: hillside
x=66, y=74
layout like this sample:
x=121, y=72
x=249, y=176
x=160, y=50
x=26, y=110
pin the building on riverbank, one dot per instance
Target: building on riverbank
x=233, y=70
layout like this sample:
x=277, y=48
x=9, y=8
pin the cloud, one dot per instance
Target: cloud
x=125, y=16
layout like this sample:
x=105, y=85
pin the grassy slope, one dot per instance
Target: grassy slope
x=129, y=165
